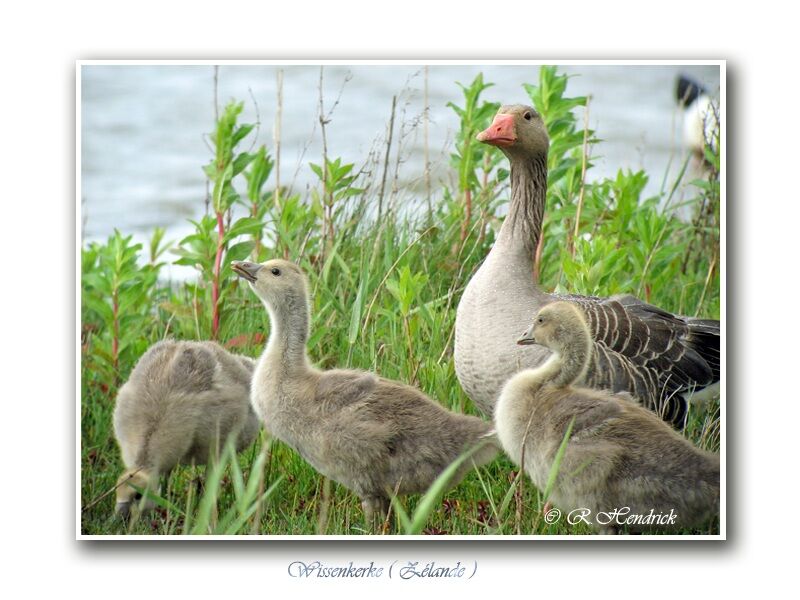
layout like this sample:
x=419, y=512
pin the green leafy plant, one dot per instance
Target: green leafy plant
x=256, y=176
x=470, y=155
x=116, y=305
x=337, y=185
x=226, y=164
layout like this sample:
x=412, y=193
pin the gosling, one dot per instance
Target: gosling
x=620, y=457
x=374, y=436
x=182, y=402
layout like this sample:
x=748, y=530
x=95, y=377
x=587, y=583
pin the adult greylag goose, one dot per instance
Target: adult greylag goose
x=639, y=348
x=620, y=460
x=181, y=403
x=374, y=436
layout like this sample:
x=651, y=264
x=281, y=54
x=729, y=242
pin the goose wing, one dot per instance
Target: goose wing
x=648, y=351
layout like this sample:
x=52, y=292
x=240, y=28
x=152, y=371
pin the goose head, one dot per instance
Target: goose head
x=518, y=131
x=129, y=498
x=555, y=326
x=279, y=283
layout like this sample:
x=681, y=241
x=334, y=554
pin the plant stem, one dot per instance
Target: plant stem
x=583, y=181
x=426, y=118
x=412, y=362
x=468, y=213
x=216, y=89
x=278, y=115
x=115, y=340
x=711, y=269
x=216, y=276
x=327, y=193
x=386, y=159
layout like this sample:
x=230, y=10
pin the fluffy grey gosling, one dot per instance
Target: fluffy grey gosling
x=374, y=436
x=181, y=403
x=620, y=456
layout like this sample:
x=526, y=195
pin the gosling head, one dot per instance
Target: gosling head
x=518, y=131
x=129, y=499
x=555, y=326
x=279, y=283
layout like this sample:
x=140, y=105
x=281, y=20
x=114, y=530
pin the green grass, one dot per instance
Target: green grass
x=384, y=299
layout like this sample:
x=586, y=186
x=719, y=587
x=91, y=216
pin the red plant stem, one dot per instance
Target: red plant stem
x=215, y=284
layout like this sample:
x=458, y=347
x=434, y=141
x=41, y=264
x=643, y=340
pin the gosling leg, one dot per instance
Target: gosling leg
x=375, y=510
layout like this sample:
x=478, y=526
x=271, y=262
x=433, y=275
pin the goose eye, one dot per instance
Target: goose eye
x=276, y=271
x=540, y=320
x=137, y=496
x=527, y=116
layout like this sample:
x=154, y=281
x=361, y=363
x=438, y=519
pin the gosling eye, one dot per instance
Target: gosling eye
x=540, y=320
x=137, y=496
x=276, y=271
x=527, y=116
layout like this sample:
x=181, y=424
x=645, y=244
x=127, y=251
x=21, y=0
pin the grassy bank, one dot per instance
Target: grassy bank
x=385, y=282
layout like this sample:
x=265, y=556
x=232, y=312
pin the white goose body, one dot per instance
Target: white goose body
x=499, y=297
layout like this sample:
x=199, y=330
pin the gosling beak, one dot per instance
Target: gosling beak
x=246, y=270
x=500, y=133
x=528, y=338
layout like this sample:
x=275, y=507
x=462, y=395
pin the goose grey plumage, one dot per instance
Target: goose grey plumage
x=374, y=436
x=619, y=455
x=180, y=404
x=639, y=348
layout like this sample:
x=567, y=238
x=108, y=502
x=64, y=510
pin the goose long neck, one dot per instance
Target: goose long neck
x=288, y=336
x=523, y=225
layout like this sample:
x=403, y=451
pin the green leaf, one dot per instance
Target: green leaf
x=358, y=308
x=240, y=163
x=241, y=133
x=243, y=226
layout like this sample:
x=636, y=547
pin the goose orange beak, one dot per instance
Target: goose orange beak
x=500, y=133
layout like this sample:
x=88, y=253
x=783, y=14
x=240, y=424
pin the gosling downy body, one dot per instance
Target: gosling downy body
x=654, y=355
x=619, y=455
x=180, y=404
x=374, y=436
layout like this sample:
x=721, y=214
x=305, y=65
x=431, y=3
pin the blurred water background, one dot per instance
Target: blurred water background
x=144, y=127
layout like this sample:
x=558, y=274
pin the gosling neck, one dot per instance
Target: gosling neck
x=569, y=363
x=288, y=336
x=522, y=228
